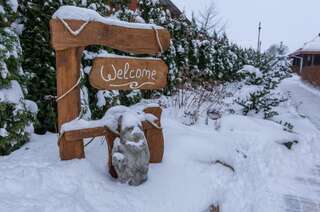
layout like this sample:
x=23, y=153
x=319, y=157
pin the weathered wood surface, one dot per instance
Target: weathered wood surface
x=131, y=40
x=128, y=74
x=154, y=136
x=110, y=138
x=86, y=133
x=68, y=73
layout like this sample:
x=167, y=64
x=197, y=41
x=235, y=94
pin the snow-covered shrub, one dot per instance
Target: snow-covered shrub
x=16, y=113
x=191, y=104
x=259, y=92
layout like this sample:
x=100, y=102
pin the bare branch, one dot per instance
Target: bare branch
x=210, y=21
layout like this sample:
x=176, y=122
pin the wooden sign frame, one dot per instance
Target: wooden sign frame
x=69, y=48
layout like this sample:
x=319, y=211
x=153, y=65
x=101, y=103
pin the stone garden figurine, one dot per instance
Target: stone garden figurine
x=130, y=153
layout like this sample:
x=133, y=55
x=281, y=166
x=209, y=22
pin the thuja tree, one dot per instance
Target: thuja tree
x=265, y=72
x=39, y=57
x=177, y=55
x=16, y=113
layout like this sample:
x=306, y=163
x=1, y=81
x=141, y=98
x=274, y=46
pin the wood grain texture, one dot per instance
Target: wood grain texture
x=110, y=137
x=68, y=73
x=154, y=136
x=86, y=133
x=310, y=74
x=131, y=40
x=128, y=74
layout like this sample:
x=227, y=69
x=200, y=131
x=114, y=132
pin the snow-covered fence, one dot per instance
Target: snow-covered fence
x=73, y=29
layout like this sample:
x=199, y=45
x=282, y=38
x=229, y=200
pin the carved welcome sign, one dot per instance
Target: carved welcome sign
x=128, y=73
x=72, y=30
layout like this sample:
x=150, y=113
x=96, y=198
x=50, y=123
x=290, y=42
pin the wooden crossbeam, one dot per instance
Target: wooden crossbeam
x=86, y=133
x=131, y=40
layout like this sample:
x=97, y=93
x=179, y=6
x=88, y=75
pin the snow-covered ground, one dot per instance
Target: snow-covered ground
x=267, y=176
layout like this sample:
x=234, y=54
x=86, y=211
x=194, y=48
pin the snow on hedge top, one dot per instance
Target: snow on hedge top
x=14, y=95
x=251, y=70
x=84, y=14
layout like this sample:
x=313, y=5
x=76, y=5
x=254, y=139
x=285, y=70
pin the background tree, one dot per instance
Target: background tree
x=16, y=113
x=39, y=57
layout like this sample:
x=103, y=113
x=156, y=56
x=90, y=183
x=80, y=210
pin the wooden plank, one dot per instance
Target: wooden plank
x=154, y=136
x=68, y=73
x=110, y=137
x=131, y=40
x=86, y=133
x=128, y=74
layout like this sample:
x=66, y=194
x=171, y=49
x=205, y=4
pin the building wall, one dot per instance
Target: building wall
x=310, y=74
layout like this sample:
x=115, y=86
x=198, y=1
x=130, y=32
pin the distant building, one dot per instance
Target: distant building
x=306, y=61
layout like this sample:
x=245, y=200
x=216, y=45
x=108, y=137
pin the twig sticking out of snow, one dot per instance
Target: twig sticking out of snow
x=78, y=31
x=225, y=165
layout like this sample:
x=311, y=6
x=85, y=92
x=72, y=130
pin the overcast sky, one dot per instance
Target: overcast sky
x=291, y=21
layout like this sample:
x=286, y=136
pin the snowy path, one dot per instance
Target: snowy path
x=303, y=189
x=306, y=98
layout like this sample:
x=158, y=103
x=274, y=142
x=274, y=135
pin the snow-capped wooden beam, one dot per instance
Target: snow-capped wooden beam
x=128, y=73
x=77, y=33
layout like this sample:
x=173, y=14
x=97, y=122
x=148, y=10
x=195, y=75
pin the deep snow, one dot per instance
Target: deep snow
x=268, y=177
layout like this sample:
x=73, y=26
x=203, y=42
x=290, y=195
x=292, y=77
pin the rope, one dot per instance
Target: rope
x=154, y=125
x=158, y=39
x=74, y=33
x=71, y=89
x=113, y=131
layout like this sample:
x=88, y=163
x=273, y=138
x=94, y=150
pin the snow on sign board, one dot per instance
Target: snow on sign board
x=77, y=27
x=112, y=73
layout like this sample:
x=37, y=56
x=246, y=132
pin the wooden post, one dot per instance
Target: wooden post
x=133, y=5
x=68, y=73
x=154, y=136
x=110, y=137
